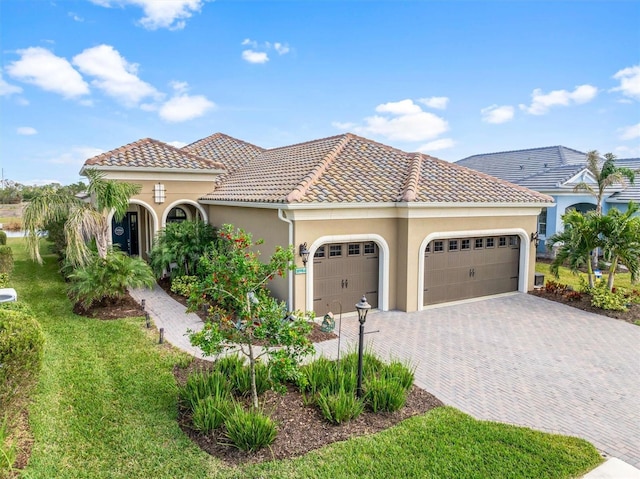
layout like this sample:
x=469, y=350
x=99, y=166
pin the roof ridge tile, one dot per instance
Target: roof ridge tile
x=410, y=188
x=314, y=175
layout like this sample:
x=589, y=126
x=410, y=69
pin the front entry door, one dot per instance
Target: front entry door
x=125, y=234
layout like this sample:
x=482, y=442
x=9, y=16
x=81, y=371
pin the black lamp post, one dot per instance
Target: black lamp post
x=363, y=308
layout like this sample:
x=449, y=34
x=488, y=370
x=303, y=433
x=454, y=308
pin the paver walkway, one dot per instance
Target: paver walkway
x=517, y=359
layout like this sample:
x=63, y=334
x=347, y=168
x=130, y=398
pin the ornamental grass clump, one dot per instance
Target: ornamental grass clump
x=339, y=407
x=210, y=413
x=385, y=394
x=201, y=385
x=249, y=430
x=401, y=372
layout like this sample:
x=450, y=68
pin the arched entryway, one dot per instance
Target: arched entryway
x=135, y=232
x=581, y=207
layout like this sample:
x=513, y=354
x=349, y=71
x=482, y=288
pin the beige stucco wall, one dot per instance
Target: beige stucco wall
x=262, y=224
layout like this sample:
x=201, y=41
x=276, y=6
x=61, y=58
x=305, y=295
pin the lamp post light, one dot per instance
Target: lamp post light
x=363, y=308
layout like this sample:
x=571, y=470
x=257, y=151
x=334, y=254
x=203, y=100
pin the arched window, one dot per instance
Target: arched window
x=176, y=215
x=582, y=207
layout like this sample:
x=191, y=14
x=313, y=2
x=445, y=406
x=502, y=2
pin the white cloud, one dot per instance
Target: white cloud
x=6, y=89
x=171, y=14
x=628, y=151
x=258, y=53
x=252, y=56
x=497, y=114
x=281, y=48
x=437, y=102
x=184, y=107
x=179, y=86
x=177, y=144
x=405, y=122
x=114, y=75
x=42, y=68
x=441, y=144
x=26, y=130
x=630, y=132
x=629, y=82
x=76, y=17
x=541, y=102
x=76, y=155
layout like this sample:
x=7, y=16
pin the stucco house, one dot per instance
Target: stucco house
x=406, y=229
x=555, y=171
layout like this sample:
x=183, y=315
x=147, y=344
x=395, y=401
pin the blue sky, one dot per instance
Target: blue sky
x=450, y=79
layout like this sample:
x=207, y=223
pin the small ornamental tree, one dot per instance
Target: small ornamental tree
x=243, y=313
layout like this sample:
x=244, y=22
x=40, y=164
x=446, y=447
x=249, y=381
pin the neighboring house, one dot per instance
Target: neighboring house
x=406, y=229
x=555, y=171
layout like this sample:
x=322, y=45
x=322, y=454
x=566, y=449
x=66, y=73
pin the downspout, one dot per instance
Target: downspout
x=290, y=276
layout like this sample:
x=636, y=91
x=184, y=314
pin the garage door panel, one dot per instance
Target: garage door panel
x=487, y=265
x=342, y=274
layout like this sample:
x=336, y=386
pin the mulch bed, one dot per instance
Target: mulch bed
x=300, y=428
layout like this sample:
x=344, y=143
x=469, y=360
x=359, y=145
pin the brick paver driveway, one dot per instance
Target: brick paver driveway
x=523, y=360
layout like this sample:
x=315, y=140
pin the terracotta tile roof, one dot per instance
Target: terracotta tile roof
x=351, y=169
x=229, y=151
x=149, y=153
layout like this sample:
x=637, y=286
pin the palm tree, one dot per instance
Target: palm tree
x=84, y=221
x=606, y=176
x=620, y=241
x=577, y=241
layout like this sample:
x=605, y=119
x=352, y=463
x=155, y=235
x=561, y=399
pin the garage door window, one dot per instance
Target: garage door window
x=453, y=245
x=370, y=248
x=465, y=244
x=490, y=242
x=335, y=250
x=438, y=246
x=354, y=249
x=513, y=241
x=319, y=252
x=502, y=241
x=479, y=243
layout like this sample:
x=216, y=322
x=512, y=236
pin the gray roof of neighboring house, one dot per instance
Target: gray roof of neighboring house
x=632, y=192
x=350, y=169
x=520, y=166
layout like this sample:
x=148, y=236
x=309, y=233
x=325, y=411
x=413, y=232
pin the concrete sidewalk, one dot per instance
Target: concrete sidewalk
x=516, y=359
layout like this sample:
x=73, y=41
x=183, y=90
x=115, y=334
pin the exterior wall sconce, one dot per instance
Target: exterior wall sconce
x=535, y=238
x=304, y=253
x=159, y=193
x=363, y=308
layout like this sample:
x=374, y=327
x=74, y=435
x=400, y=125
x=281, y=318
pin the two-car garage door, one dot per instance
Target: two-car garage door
x=462, y=268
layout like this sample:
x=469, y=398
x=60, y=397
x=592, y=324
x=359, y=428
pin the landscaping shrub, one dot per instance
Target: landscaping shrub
x=183, y=285
x=400, y=372
x=6, y=259
x=385, y=394
x=108, y=278
x=240, y=380
x=249, y=430
x=210, y=412
x=4, y=280
x=21, y=347
x=339, y=407
x=602, y=298
x=228, y=365
x=201, y=385
x=3, y=238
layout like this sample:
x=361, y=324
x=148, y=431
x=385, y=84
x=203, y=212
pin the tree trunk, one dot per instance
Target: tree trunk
x=252, y=369
x=102, y=240
x=590, y=275
x=612, y=273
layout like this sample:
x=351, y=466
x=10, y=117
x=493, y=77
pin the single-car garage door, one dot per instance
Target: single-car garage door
x=342, y=273
x=462, y=268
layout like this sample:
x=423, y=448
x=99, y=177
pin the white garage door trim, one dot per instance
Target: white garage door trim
x=383, y=265
x=525, y=248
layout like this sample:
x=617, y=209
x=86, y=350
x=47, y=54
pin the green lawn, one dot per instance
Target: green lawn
x=105, y=407
x=622, y=280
